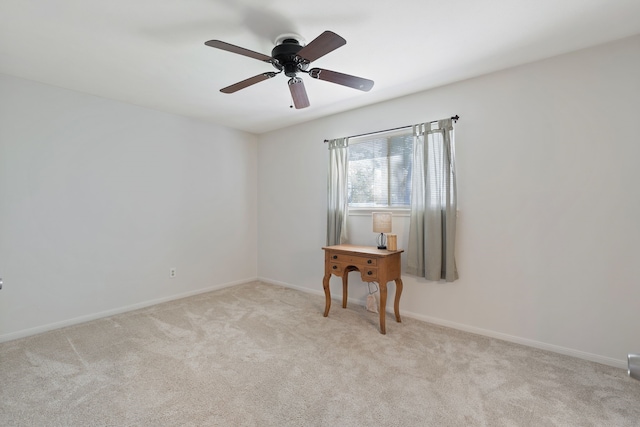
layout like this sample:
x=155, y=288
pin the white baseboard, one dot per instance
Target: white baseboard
x=479, y=331
x=299, y=288
x=519, y=340
x=93, y=316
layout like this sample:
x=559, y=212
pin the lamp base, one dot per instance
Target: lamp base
x=382, y=241
x=382, y=247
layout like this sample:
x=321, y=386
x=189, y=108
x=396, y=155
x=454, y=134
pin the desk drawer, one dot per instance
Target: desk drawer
x=367, y=273
x=353, y=260
x=337, y=268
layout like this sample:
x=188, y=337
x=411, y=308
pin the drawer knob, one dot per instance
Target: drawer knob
x=335, y=257
x=369, y=261
x=369, y=273
x=335, y=267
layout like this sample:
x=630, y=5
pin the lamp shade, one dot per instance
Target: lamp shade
x=381, y=222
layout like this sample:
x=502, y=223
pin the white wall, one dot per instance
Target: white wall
x=99, y=199
x=549, y=220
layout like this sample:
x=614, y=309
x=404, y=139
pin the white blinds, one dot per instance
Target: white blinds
x=380, y=170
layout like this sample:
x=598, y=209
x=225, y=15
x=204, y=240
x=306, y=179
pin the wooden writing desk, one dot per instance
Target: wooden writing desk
x=374, y=265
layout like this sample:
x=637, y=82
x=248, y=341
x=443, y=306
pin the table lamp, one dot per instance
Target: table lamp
x=382, y=224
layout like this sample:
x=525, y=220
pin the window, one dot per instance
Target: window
x=380, y=170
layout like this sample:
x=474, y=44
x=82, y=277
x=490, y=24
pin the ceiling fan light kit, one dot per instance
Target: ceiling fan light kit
x=291, y=56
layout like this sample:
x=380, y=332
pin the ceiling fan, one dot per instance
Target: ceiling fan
x=291, y=57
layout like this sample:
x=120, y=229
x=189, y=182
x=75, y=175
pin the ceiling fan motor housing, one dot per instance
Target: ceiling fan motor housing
x=286, y=55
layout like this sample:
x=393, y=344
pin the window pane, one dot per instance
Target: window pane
x=380, y=171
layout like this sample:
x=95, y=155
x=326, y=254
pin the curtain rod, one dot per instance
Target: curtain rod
x=454, y=118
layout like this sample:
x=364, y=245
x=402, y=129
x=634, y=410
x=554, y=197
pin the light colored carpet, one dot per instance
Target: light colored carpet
x=263, y=355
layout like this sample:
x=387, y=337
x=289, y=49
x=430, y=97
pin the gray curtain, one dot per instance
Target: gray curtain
x=432, y=230
x=337, y=198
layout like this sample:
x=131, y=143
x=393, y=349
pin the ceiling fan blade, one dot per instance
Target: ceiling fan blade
x=321, y=45
x=248, y=82
x=298, y=93
x=341, y=79
x=239, y=50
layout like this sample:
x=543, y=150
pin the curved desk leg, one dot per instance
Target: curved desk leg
x=383, y=306
x=396, y=304
x=345, y=282
x=327, y=294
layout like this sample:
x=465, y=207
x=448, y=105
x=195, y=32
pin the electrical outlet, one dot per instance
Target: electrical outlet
x=172, y=272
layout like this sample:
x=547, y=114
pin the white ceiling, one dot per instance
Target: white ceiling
x=151, y=53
